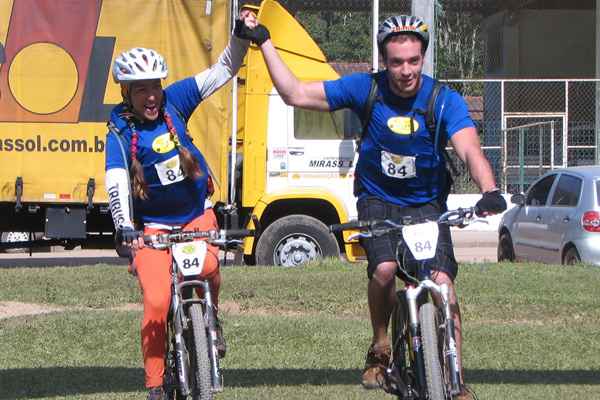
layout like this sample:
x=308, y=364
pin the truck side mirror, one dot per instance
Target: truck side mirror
x=352, y=125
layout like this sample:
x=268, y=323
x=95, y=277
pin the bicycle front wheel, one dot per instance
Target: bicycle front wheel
x=199, y=359
x=432, y=352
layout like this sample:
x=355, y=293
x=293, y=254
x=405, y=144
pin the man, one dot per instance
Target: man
x=400, y=171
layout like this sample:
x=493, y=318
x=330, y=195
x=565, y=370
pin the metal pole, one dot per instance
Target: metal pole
x=522, y=158
x=425, y=9
x=375, y=28
x=565, y=129
x=234, y=103
x=597, y=97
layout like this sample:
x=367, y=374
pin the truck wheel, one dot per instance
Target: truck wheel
x=10, y=237
x=294, y=240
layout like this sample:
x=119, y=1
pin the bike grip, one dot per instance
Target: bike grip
x=347, y=226
x=147, y=239
x=240, y=233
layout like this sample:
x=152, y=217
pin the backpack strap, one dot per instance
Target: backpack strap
x=368, y=108
x=431, y=122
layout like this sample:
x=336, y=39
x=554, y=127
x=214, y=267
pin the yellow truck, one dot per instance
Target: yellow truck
x=290, y=168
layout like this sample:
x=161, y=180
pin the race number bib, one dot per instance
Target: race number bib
x=421, y=239
x=169, y=171
x=395, y=166
x=190, y=257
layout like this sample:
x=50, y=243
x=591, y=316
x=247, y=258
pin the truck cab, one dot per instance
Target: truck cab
x=298, y=165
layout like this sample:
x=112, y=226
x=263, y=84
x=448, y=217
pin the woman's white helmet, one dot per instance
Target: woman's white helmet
x=139, y=64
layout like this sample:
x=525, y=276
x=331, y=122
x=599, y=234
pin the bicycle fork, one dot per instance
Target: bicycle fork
x=451, y=349
x=416, y=348
x=182, y=358
x=211, y=322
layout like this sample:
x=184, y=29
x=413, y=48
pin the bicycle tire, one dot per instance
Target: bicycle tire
x=399, y=345
x=199, y=359
x=433, y=354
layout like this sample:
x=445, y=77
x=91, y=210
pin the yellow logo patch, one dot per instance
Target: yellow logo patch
x=163, y=144
x=172, y=163
x=401, y=125
x=189, y=249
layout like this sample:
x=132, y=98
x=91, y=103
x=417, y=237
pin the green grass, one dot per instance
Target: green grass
x=531, y=332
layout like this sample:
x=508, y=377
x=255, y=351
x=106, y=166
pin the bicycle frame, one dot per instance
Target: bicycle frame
x=186, y=317
x=422, y=242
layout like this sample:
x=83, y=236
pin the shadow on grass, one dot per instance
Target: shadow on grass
x=34, y=383
x=538, y=377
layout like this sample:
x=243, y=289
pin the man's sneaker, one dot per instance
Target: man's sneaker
x=221, y=345
x=375, y=372
x=465, y=393
x=156, y=393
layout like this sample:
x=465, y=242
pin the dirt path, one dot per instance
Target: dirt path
x=10, y=309
x=14, y=309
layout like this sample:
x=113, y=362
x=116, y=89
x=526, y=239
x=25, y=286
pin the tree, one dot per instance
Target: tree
x=459, y=47
x=343, y=37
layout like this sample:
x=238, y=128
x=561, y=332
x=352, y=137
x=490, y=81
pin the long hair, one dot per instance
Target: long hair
x=189, y=163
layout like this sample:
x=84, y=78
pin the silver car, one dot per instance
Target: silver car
x=557, y=221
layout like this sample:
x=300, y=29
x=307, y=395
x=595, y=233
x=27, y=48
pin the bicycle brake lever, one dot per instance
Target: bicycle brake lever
x=471, y=221
x=359, y=235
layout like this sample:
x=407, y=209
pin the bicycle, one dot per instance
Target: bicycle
x=192, y=359
x=420, y=330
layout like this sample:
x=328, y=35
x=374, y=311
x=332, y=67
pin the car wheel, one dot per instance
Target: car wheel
x=506, y=251
x=294, y=240
x=572, y=257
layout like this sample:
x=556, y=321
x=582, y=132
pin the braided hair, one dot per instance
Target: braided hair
x=189, y=163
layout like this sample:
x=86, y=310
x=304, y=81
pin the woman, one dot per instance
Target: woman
x=169, y=180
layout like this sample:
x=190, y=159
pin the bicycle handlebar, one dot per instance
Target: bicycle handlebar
x=217, y=236
x=464, y=216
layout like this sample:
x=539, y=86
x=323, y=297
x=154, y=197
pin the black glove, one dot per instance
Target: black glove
x=491, y=203
x=129, y=234
x=258, y=35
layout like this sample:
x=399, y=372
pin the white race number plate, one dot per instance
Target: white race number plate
x=190, y=257
x=395, y=166
x=421, y=239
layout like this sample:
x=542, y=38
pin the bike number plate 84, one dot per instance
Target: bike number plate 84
x=190, y=257
x=421, y=239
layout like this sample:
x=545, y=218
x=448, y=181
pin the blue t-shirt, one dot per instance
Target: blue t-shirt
x=396, y=163
x=173, y=197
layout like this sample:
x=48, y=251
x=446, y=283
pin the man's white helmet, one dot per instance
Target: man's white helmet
x=402, y=24
x=139, y=64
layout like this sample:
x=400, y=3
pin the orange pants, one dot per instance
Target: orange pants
x=153, y=268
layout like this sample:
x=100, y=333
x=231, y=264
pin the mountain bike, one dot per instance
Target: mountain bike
x=424, y=361
x=192, y=359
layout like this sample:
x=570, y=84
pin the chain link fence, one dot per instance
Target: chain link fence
x=526, y=126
